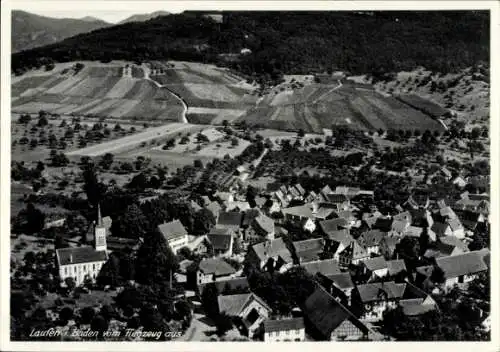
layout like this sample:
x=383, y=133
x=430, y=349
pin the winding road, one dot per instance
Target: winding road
x=184, y=105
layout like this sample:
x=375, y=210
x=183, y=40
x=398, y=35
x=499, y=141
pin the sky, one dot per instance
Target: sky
x=112, y=12
x=108, y=16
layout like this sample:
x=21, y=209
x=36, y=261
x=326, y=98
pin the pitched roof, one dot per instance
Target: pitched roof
x=384, y=224
x=78, y=255
x=311, y=244
x=455, y=224
x=376, y=263
x=220, y=241
x=341, y=280
x=390, y=242
x=326, y=190
x=323, y=213
x=336, y=198
x=326, y=313
x=447, y=212
x=396, y=266
x=214, y=208
x=230, y=283
x=264, y=223
x=232, y=305
x=413, y=231
x=404, y=216
x=371, y=292
x=303, y=211
x=325, y=267
x=331, y=225
x=346, y=214
x=283, y=324
x=172, y=229
x=249, y=216
x=230, y=218
x=371, y=238
x=464, y=264
x=417, y=309
x=274, y=248
x=439, y=228
x=425, y=270
x=454, y=241
x=399, y=225
x=340, y=236
x=216, y=266
x=301, y=189
x=355, y=251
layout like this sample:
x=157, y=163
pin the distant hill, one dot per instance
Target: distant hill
x=288, y=42
x=30, y=30
x=144, y=17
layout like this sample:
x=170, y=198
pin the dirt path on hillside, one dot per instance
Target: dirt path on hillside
x=184, y=105
x=326, y=93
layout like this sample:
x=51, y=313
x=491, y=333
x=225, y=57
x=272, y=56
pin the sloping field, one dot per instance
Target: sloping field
x=319, y=106
x=206, y=87
x=131, y=142
x=99, y=91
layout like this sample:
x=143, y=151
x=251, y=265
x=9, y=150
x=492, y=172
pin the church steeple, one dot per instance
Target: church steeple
x=99, y=232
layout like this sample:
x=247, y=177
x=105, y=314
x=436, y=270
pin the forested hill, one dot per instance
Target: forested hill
x=30, y=30
x=291, y=42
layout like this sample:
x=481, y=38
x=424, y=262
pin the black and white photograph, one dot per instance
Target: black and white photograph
x=178, y=173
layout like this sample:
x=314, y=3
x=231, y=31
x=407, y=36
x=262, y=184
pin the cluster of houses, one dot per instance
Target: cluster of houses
x=362, y=270
x=351, y=252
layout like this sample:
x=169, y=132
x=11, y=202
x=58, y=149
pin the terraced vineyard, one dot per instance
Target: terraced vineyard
x=319, y=106
x=97, y=91
x=206, y=87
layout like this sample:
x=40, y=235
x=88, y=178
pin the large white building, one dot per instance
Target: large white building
x=81, y=263
x=175, y=234
x=284, y=330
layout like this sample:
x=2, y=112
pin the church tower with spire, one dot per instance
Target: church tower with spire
x=99, y=232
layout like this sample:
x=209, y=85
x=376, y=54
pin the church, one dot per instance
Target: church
x=81, y=263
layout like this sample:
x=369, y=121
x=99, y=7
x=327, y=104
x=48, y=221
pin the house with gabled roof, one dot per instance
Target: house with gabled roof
x=395, y=267
x=341, y=283
x=417, y=306
x=175, y=233
x=371, y=240
x=308, y=250
x=271, y=255
x=470, y=219
x=222, y=241
x=213, y=269
x=387, y=246
x=375, y=267
x=399, y=227
x=377, y=297
x=227, y=285
x=327, y=319
x=463, y=267
x=288, y=329
x=261, y=227
x=336, y=240
x=353, y=254
x=325, y=267
x=214, y=208
x=231, y=220
x=338, y=201
x=446, y=246
x=247, y=309
x=304, y=214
